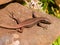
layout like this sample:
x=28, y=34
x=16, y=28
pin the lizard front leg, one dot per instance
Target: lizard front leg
x=44, y=26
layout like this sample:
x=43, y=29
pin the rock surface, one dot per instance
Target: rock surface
x=4, y=1
x=30, y=36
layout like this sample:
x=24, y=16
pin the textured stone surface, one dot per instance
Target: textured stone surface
x=30, y=36
x=4, y=1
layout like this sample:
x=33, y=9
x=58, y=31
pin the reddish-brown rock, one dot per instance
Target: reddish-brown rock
x=30, y=36
x=4, y=1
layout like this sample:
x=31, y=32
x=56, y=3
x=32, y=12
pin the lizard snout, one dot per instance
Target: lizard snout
x=45, y=21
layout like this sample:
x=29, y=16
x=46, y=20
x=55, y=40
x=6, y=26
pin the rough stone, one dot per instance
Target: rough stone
x=30, y=36
x=4, y=1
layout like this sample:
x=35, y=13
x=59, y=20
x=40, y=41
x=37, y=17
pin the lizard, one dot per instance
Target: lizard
x=27, y=23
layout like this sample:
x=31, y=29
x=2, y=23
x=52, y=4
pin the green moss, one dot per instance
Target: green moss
x=23, y=3
x=57, y=41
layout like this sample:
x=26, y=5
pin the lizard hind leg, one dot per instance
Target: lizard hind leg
x=17, y=22
x=20, y=30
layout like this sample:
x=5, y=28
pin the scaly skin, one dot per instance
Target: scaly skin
x=27, y=23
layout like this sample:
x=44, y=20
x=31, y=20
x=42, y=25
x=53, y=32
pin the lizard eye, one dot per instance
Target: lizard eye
x=45, y=22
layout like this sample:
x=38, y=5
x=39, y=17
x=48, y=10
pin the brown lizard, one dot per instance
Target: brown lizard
x=27, y=23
